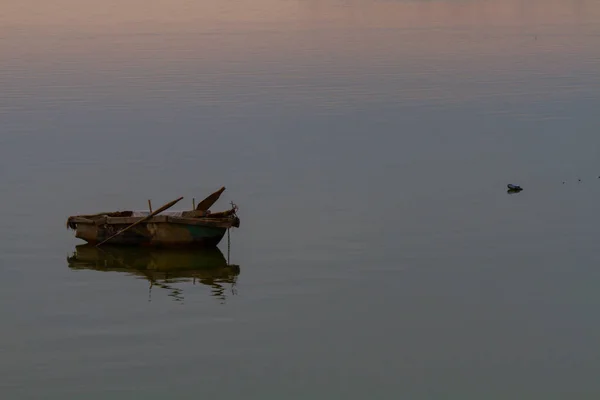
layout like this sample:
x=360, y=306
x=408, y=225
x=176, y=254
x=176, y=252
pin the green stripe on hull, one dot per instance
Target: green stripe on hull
x=201, y=234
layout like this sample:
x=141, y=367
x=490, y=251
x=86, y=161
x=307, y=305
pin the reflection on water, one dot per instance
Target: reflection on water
x=163, y=268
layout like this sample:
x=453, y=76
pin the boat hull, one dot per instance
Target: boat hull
x=153, y=234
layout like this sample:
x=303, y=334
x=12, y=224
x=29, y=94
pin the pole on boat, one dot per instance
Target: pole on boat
x=194, y=203
x=150, y=205
x=158, y=211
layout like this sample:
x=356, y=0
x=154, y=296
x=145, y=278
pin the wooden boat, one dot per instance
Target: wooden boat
x=198, y=227
x=161, y=267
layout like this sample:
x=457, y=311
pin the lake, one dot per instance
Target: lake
x=368, y=145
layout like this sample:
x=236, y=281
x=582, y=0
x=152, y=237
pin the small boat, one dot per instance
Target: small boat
x=515, y=188
x=198, y=227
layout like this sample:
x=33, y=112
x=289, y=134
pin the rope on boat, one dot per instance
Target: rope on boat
x=234, y=209
x=228, y=246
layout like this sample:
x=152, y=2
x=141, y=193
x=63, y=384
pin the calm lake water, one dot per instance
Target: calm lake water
x=368, y=145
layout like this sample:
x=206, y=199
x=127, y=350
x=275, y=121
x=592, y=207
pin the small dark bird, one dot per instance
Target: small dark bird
x=579, y=180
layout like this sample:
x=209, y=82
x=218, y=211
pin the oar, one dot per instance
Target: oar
x=158, y=211
x=208, y=202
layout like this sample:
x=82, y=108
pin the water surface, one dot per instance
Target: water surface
x=368, y=145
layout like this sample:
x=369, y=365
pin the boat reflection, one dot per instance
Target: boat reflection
x=165, y=268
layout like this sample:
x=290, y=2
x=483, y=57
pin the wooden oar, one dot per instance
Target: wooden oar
x=208, y=202
x=158, y=211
